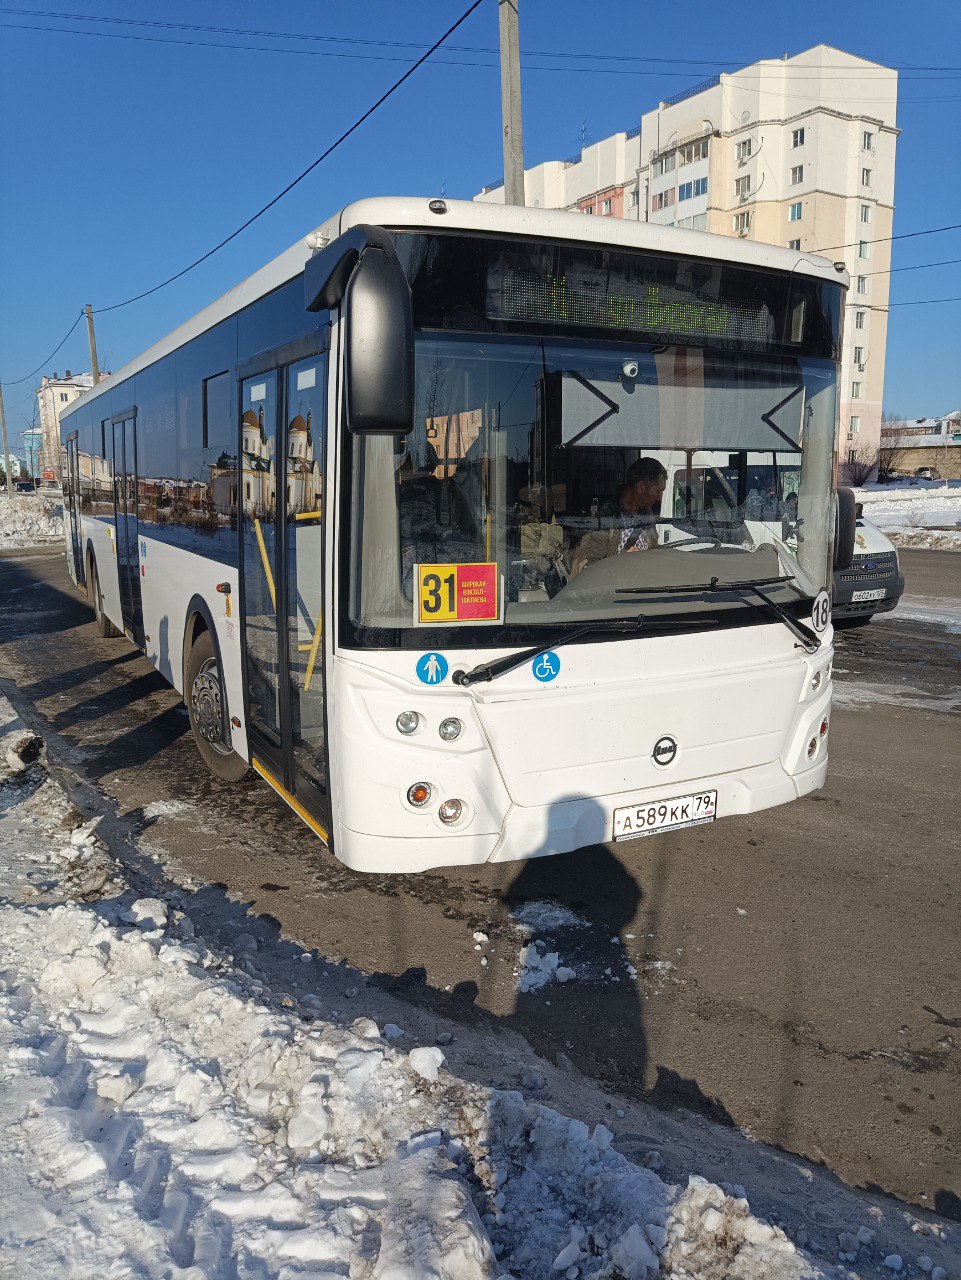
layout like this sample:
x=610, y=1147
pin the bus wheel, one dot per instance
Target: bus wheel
x=104, y=625
x=207, y=708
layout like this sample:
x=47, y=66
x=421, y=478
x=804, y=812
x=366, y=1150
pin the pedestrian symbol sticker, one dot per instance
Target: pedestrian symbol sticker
x=432, y=668
x=546, y=667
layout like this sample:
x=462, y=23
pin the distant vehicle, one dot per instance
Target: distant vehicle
x=874, y=582
x=25, y=486
x=927, y=473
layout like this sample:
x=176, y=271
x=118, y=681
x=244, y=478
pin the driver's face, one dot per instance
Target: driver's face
x=650, y=492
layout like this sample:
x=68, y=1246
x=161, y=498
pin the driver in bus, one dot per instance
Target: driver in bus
x=634, y=525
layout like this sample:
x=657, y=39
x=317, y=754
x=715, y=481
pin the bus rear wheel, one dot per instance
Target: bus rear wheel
x=207, y=708
x=104, y=626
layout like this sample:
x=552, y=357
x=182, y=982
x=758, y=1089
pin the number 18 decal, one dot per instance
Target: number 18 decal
x=449, y=593
x=821, y=613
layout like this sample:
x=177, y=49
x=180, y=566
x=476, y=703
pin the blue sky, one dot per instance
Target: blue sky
x=123, y=159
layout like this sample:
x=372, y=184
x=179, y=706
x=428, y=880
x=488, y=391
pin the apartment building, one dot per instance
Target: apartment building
x=53, y=396
x=796, y=151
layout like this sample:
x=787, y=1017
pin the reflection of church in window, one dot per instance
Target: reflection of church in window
x=303, y=475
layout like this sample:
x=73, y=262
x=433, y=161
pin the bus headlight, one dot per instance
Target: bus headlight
x=450, y=729
x=419, y=794
x=407, y=722
x=816, y=681
x=450, y=811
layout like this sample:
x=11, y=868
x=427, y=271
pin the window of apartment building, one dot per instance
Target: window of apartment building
x=794, y=213
x=867, y=140
x=865, y=177
x=855, y=425
x=664, y=164
x=63, y=397
x=797, y=138
x=862, y=284
x=685, y=191
x=693, y=151
x=744, y=150
x=865, y=213
x=742, y=186
x=605, y=206
x=587, y=209
x=794, y=244
x=662, y=200
x=696, y=223
x=700, y=186
x=742, y=223
x=863, y=249
x=855, y=391
x=859, y=355
x=634, y=198
x=859, y=319
x=797, y=174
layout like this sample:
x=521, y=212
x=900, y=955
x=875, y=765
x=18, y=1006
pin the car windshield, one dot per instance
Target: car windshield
x=544, y=480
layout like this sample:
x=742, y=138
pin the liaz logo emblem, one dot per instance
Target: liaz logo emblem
x=665, y=749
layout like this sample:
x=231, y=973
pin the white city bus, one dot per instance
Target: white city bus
x=370, y=513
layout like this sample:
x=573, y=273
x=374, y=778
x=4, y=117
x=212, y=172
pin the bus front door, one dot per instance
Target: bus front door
x=126, y=526
x=283, y=427
x=73, y=503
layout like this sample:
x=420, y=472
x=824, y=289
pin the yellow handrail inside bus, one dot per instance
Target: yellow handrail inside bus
x=263, y=555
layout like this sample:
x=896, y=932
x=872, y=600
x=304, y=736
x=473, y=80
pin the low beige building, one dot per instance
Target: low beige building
x=796, y=151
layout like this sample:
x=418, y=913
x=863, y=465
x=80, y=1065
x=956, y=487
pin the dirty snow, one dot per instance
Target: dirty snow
x=924, y=514
x=164, y=1114
x=27, y=519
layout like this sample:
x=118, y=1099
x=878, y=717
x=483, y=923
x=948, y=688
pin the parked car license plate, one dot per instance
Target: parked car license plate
x=858, y=596
x=633, y=820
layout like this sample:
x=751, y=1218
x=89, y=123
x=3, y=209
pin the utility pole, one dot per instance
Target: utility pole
x=6, y=451
x=511, y=103
x=94, y=367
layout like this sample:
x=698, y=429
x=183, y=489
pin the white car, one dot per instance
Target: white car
x=873, y=583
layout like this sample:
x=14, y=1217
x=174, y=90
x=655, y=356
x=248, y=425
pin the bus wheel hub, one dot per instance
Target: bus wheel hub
x=205, y=697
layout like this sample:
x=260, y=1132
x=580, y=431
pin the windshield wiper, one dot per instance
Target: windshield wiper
x=809, y=641
x=491, y=670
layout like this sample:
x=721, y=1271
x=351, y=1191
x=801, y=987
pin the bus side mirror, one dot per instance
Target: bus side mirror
x=845, y=528
x=360, y=271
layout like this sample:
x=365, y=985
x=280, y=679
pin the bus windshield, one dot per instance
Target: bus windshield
x=566, y=473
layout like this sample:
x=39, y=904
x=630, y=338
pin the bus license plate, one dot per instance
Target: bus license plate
x=858, y=596
x=634, y=820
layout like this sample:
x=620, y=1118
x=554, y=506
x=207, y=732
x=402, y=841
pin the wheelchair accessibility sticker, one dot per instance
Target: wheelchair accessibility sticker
x=546, y=667
x=432, y=668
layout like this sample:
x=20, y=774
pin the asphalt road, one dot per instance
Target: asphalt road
x=798, y=972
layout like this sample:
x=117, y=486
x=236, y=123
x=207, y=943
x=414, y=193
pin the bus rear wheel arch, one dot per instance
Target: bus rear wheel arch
x=207, y=709
x=94, y=593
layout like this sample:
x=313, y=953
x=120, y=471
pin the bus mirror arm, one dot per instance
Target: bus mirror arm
x=361, y=272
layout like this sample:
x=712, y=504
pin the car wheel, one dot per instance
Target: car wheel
x=207, y=709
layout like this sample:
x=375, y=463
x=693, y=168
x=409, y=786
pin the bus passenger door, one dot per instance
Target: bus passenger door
x=73, y=499
x=282, y=488
x=126, y=525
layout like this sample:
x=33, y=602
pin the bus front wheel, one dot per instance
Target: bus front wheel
x=207, y=708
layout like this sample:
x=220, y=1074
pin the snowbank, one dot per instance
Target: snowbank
x=163, y=1113
x=27, y=519
x=923, y=514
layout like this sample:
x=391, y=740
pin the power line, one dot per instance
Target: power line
x=218, y=29
x=904, y=235
x=27, y=377
x=310, y=168
x=921, y=266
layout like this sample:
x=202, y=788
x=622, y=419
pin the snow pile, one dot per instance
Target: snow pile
x=162, y=1110
x=924, y=514
x=26, y=519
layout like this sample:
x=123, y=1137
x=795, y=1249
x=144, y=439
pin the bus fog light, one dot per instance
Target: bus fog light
x=407, y=722
x=812, y=748
x=450, y=811
x=816, y=681
x=419, y=794
x=450, y=729
x=824, y=727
